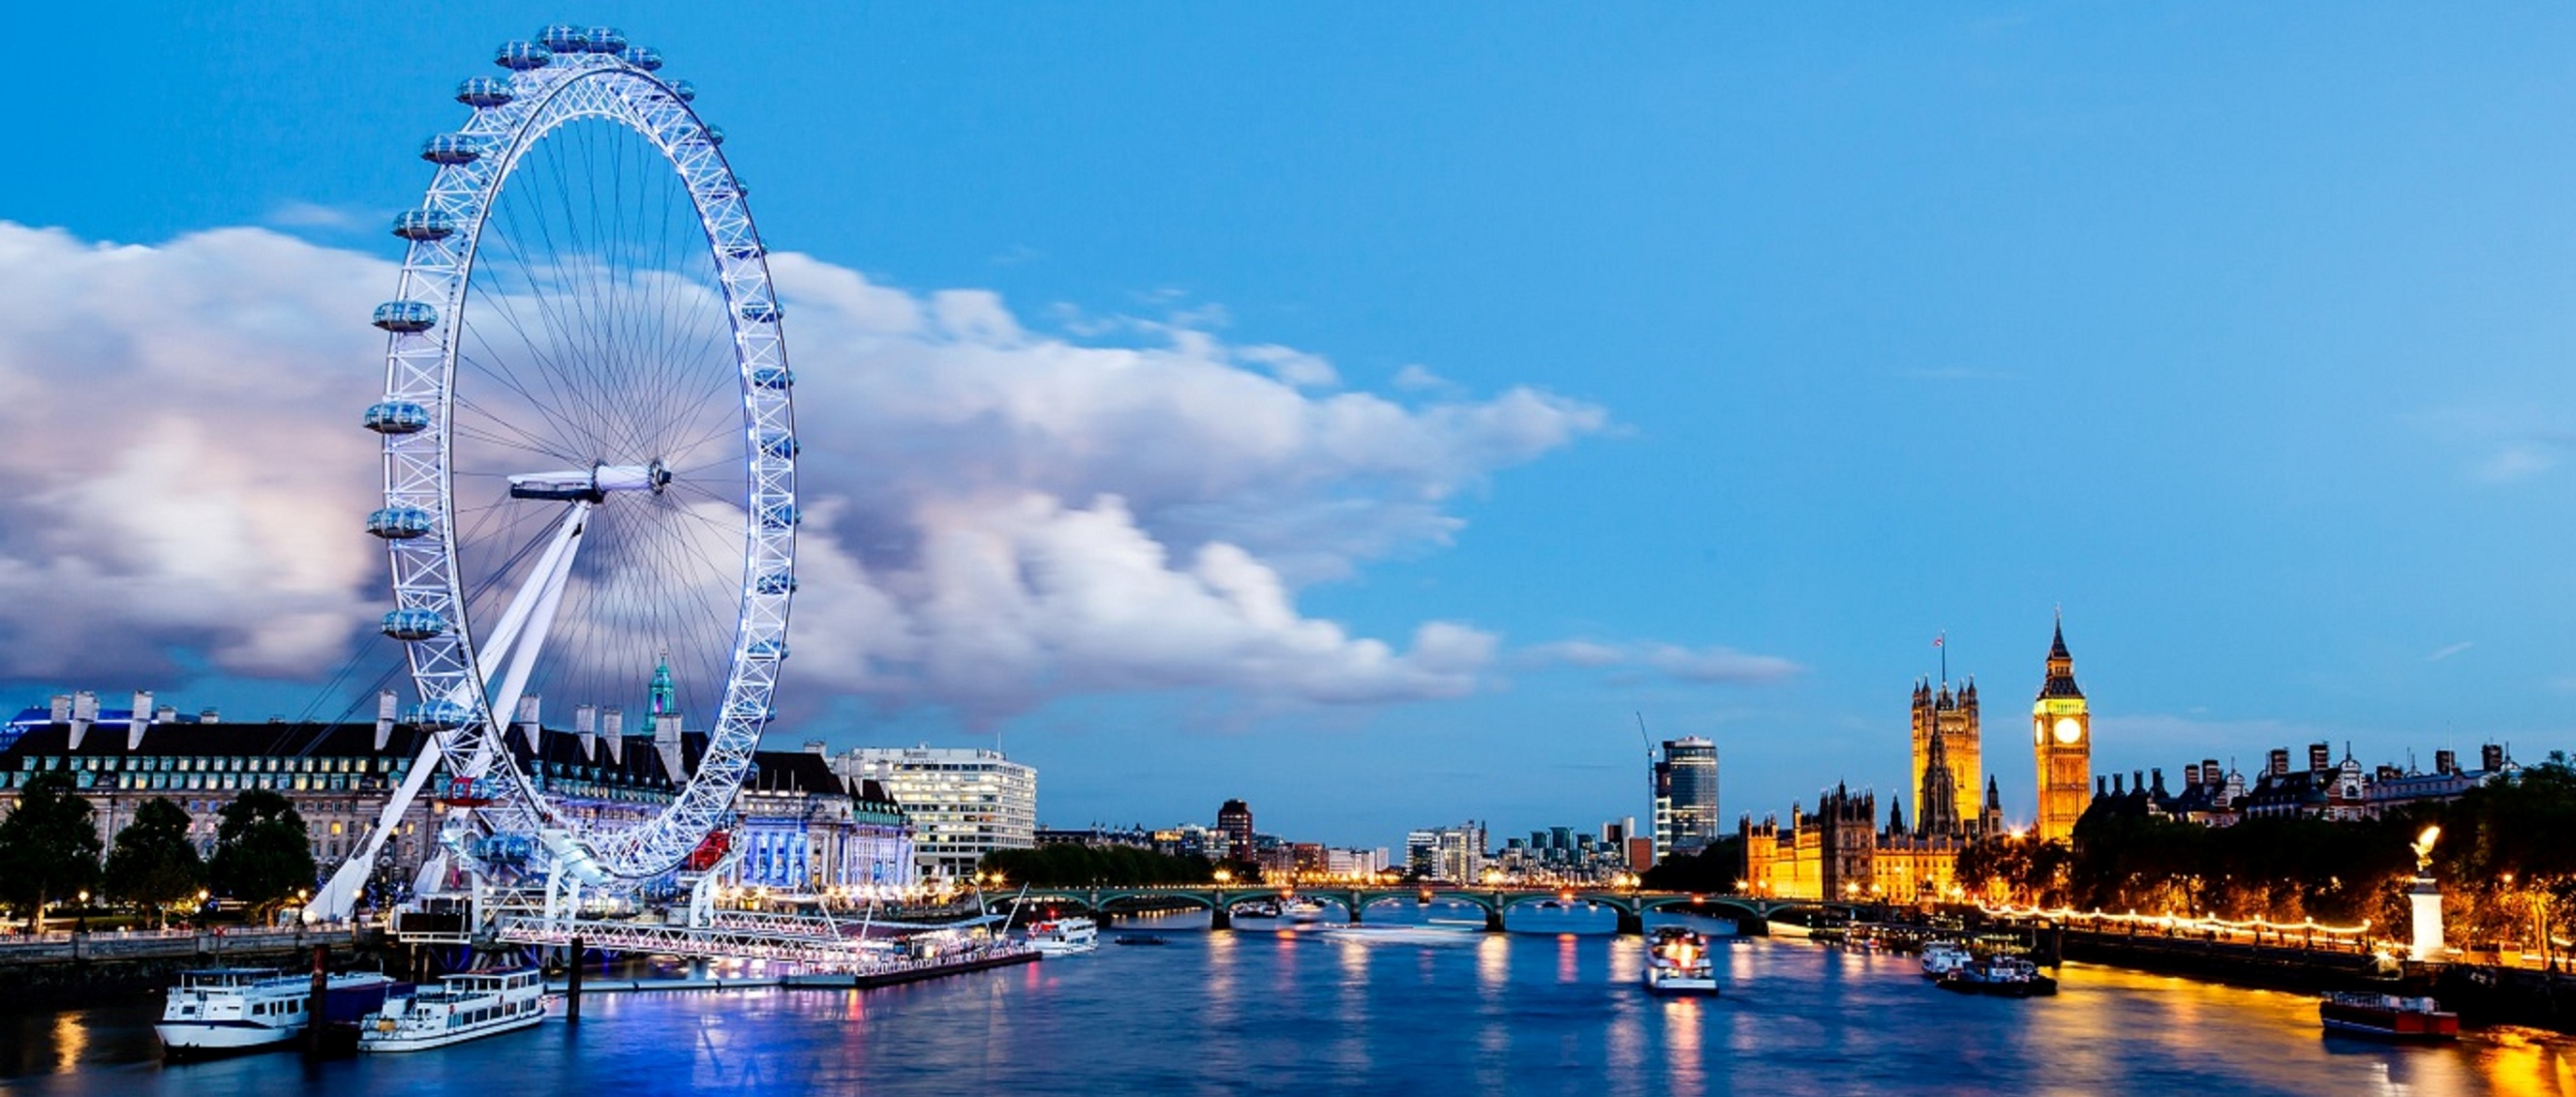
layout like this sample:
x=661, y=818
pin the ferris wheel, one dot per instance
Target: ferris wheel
x=589, y=460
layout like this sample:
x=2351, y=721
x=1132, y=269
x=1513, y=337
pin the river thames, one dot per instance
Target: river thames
x=1255, y=1011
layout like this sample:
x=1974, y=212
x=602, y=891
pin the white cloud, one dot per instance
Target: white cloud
x=2449, y=650
x=1707, y=665
x=995, y=517
x=2518, y=461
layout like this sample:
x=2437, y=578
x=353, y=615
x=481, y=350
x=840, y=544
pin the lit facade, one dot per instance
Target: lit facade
x=1945, y=733
x=962, y=802
x=803, y=827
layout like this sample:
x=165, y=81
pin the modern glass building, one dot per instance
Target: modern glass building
x=1686, y=817
x=962, y=802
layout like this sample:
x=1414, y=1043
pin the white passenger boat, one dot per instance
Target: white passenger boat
x=1677, y=962
x=1943, y=957
x=1404, y=935
x=1064, y=936
x=1301, y=911
x=461, y=1008
x=219, y=1011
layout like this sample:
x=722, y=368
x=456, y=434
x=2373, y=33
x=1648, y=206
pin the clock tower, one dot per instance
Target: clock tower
x=2062, y=741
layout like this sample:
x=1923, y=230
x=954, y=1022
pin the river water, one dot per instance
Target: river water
x=1261, y=1012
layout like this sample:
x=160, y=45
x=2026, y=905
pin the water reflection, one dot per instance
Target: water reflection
x=1257, y=1012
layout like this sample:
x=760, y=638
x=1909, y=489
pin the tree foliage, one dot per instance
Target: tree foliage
x=1067, y=865
x=48, y=845
x=263, y=853
x=154, y=867
x=1713, y=870
x=2028, y=871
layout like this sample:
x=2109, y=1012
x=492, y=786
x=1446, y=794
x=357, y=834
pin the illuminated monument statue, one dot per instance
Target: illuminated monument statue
x=2426, y=900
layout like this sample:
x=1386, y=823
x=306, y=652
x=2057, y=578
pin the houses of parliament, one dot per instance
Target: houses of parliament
x=1843, y=850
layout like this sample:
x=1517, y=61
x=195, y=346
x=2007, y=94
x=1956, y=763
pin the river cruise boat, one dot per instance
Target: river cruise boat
x=1943, y=957
x=2001, y=976
x=1677, y=962
x=2387, y=1017
x=220, y=1011
x=461, y=1008
x=1301, y=911
x=1064, y=936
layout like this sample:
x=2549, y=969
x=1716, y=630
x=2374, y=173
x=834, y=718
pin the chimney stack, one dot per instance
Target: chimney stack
x=385, y=710
x=137, y=719
x=2209, y=771
x=2491, y=757
x=84, y=713
x=666, y=741
x=60, y=709
x=528, y=722
x=2280, y=766
x=2446, y=762
x=2117, y=789
x=2320, y=757
x=2191, y=775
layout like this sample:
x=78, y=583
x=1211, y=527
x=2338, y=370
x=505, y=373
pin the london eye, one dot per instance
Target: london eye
x=589, y=461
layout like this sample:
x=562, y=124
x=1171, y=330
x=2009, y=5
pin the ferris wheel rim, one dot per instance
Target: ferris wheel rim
x=422, y=361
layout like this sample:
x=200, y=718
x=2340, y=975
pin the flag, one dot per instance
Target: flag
x=1936, y=641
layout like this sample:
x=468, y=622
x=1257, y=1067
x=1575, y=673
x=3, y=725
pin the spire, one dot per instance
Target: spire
x=663, y=703
x=2061, y=666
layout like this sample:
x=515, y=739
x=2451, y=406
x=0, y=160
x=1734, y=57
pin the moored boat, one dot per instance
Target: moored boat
x=1943, y=957
x=221, y=1011
x=2002, y=976
x=462, y=1007
x=1064, y=936
x=1677, y=962
x=2387, y=1017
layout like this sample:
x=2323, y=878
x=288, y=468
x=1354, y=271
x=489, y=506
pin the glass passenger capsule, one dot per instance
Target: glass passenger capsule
x=522, y=56
x=450, y=148
x=423, y=224
x=397, y=417
x=779, y=515
x=608, y=40
x=643, y=57
x=437, y=714
x=400, y=523
x=773, y=378
x=781, y=446
x=748, y=249
x=715, y=135
x=414, y=624
x=686, y=91
x=406, y=316
x=776, y=582
x=771, y=650
x=565, y=38
x=760, y=312
x=484, y=91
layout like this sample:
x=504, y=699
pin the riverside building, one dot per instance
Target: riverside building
x=962, y=802
x=803, y=830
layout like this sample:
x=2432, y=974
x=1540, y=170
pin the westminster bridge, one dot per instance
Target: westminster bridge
x=1107, y=903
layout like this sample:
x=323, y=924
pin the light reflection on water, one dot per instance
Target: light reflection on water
x=1260, y=1012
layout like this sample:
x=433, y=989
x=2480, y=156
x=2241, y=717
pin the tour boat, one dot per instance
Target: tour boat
x=1678, y=963
x=219, y=1011
x=1404, y=935
x=1064, y=936
x=1301, y=910
x=2003, y=976
x=463, y=1007
x=1137, y=939
x=1943, y=957
x=2388, y=1017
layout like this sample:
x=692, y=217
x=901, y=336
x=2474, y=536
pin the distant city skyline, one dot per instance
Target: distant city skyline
x=1374, y=440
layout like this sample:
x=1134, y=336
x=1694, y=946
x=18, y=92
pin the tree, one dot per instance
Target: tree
x=48, y=846
x=154, y=866
x=1716, y=869
x=262, y=852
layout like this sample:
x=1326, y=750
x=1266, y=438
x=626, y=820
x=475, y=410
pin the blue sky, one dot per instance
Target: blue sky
x=2241, y=334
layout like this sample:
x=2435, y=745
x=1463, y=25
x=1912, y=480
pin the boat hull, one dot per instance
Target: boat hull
x=1681, y=986
x=373, y=1042
x=2372, y=1022
x=211, y=1039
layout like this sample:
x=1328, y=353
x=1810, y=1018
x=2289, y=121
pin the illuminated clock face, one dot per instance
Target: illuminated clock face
x=2068, y=731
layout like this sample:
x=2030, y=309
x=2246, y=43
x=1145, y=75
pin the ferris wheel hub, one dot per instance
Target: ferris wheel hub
x=591, y=484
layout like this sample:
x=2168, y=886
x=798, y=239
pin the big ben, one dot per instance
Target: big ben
x=2062, y=739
